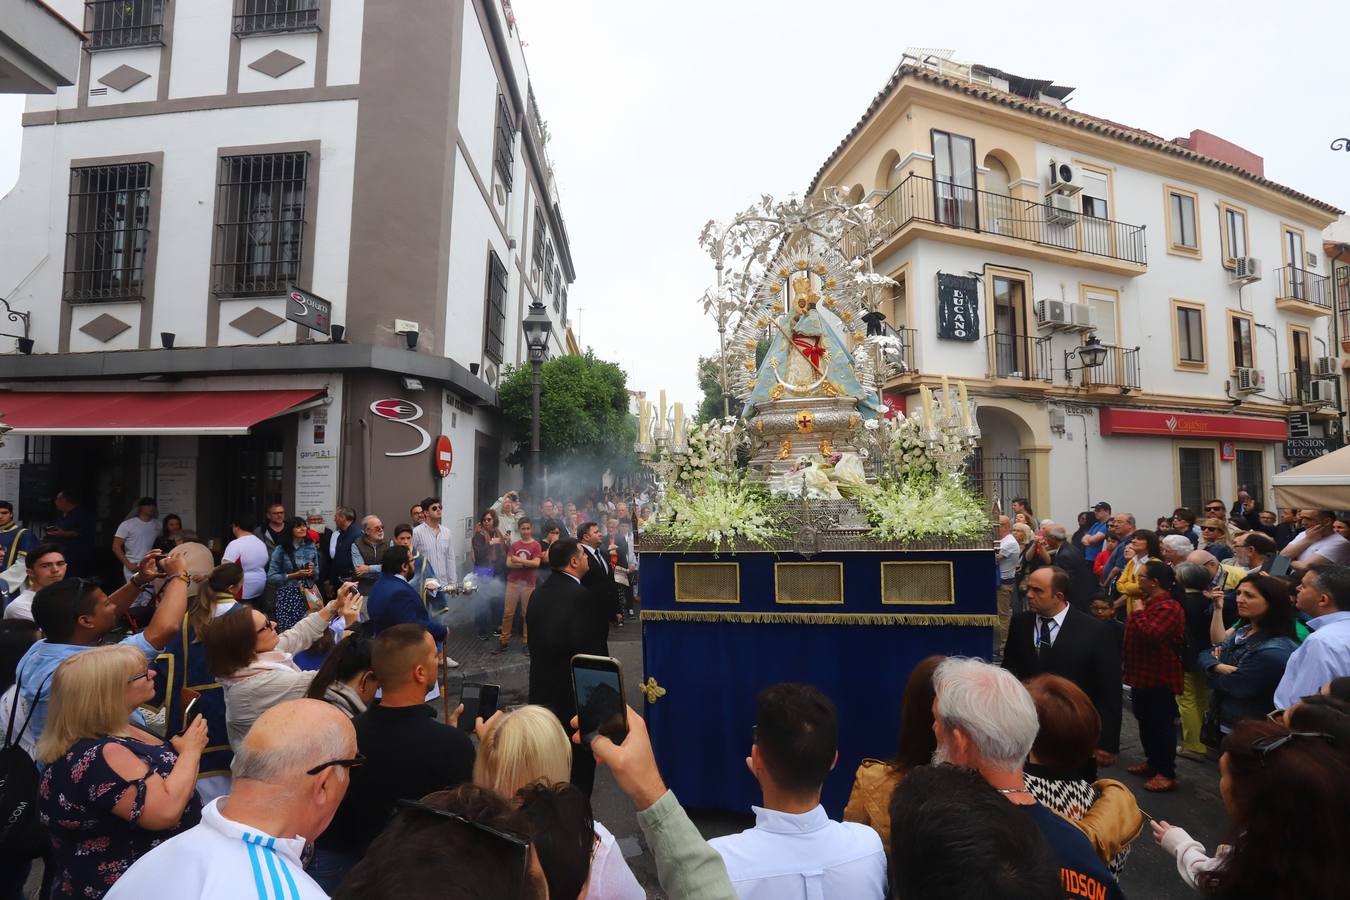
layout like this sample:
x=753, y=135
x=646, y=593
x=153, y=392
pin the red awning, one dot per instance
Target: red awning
x=133, y=413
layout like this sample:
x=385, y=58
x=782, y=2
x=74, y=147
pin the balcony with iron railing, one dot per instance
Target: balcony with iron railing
x=1019, y=357
x=1119, y=370
x=904, y=359
x=1298, y=290
x=1300, y=388
x=275, y=16
x=1116, y=246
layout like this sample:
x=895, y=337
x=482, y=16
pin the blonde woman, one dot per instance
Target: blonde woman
x=1145, y=549
x=528, y=746
x=111, y=791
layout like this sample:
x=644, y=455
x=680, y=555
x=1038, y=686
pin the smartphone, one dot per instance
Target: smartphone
x=597, y=683
x=480, y=702
x=191, y=707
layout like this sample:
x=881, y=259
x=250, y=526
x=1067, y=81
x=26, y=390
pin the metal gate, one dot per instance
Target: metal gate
x=999, y=479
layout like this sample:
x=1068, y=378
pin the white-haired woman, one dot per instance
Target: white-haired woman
x=528, y=746
x=1175, y=549
x=111, y=791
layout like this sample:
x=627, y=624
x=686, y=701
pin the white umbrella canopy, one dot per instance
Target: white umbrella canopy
x=1322, y=483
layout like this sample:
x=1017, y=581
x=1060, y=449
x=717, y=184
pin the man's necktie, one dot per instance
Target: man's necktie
x=1043, y=646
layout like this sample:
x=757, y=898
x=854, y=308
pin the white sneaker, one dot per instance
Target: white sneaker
x=450, y=663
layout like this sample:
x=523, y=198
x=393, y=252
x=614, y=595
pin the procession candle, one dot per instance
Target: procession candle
x=927, y=397
x=661, y=422
x=679, y=424
x=946, y=398
x=644, y=413
x=965, y=404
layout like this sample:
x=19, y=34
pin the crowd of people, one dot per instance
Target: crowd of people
x=146, y=713
x=267, y=729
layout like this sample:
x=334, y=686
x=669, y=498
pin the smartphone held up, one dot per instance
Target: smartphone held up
x=597, y=684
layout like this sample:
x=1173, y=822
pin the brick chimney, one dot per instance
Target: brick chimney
x=1214, y=146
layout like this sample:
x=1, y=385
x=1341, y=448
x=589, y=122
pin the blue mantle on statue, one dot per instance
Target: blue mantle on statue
x=719, y=628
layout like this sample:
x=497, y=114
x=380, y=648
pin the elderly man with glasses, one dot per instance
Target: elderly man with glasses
x=290, y=774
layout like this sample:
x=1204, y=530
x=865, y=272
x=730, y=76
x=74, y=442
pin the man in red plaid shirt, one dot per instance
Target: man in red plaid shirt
x=1154, y=635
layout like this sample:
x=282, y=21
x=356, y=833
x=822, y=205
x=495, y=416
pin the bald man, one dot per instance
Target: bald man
x=290, y=774
x=1008, y=554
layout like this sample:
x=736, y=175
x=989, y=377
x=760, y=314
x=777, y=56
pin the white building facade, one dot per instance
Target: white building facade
x=385, y=157
x=1037, y=228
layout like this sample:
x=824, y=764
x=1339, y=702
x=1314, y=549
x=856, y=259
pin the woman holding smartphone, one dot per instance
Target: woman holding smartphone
x=291, y=572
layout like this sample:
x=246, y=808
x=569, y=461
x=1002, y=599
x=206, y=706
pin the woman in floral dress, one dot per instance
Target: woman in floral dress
x=111, y=791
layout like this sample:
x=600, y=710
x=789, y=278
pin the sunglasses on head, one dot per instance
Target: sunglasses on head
x=519, y=843
x=1264, y=746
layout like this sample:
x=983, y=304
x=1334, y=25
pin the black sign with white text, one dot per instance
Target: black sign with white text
x=1300, y=425
x=1306, y=448
x=958, y=308
x=308, y=310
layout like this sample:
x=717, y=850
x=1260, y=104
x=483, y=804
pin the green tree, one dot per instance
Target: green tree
x=708, y=381
x=584, y=423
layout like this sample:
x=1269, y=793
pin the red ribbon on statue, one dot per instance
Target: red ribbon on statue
x=811, y=350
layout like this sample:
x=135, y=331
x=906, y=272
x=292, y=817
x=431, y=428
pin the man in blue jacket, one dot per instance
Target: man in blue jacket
x=393, y=600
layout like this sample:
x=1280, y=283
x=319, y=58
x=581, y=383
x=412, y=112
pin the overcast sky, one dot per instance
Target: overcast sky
x=664, y=115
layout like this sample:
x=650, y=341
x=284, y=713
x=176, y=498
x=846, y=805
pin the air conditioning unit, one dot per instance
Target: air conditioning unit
x=1251, y=381
x=1246, y=269
x=1061, y=210
x=1063, y=179
x=1322, y=393
x=1052, y=314
x=1325, y=367
x=1082, y=316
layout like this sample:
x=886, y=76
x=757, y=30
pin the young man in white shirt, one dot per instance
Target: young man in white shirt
x=248, y=550
x=46, y=565
x=795, y=850
x=432, y=540
x=290, y=774
x=136, y=536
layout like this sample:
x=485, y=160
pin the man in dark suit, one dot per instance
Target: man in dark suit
x=599, y=580
x=393, y=601
x=1053, y=549
x=561, y=625
x=1053, y=637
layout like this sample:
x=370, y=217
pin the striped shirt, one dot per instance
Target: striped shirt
x=220, y=859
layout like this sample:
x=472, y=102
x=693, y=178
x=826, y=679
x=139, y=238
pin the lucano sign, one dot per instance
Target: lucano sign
x=958, y=308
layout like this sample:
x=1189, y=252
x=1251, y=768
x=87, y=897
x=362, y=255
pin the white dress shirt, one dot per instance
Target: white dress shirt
x=1056, y=621
x=1333, y=548
x=1009, y=555
x=439, y=549
x=804, y=856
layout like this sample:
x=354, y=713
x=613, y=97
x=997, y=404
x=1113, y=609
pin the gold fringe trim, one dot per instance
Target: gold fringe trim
x=804, y=618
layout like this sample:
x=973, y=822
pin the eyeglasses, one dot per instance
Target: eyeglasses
x=1212, y=508
x=520, y=843
x=1208, y=528
x=147, y=674
x=1267, y=745
x=266, y=625
x=355, y=762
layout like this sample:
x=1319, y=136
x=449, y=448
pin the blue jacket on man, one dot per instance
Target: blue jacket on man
x=340, y=567
x=393, y=601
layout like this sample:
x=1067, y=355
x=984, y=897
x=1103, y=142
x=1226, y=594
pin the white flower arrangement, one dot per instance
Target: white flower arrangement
x=721, y=513
x=922, y=507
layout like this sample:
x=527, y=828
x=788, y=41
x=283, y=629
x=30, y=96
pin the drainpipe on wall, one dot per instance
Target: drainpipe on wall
x=1087, y=464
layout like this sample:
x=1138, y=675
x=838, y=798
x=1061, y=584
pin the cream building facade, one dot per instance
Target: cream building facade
x=1205, y=284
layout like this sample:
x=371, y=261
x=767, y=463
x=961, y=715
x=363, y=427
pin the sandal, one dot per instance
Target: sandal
x=1160, y=784
x=1142, y=768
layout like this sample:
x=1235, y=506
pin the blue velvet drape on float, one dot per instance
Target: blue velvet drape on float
x=713, y=655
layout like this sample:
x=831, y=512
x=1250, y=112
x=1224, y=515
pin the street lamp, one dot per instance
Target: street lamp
x=537, y=327
x=1092, y=355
